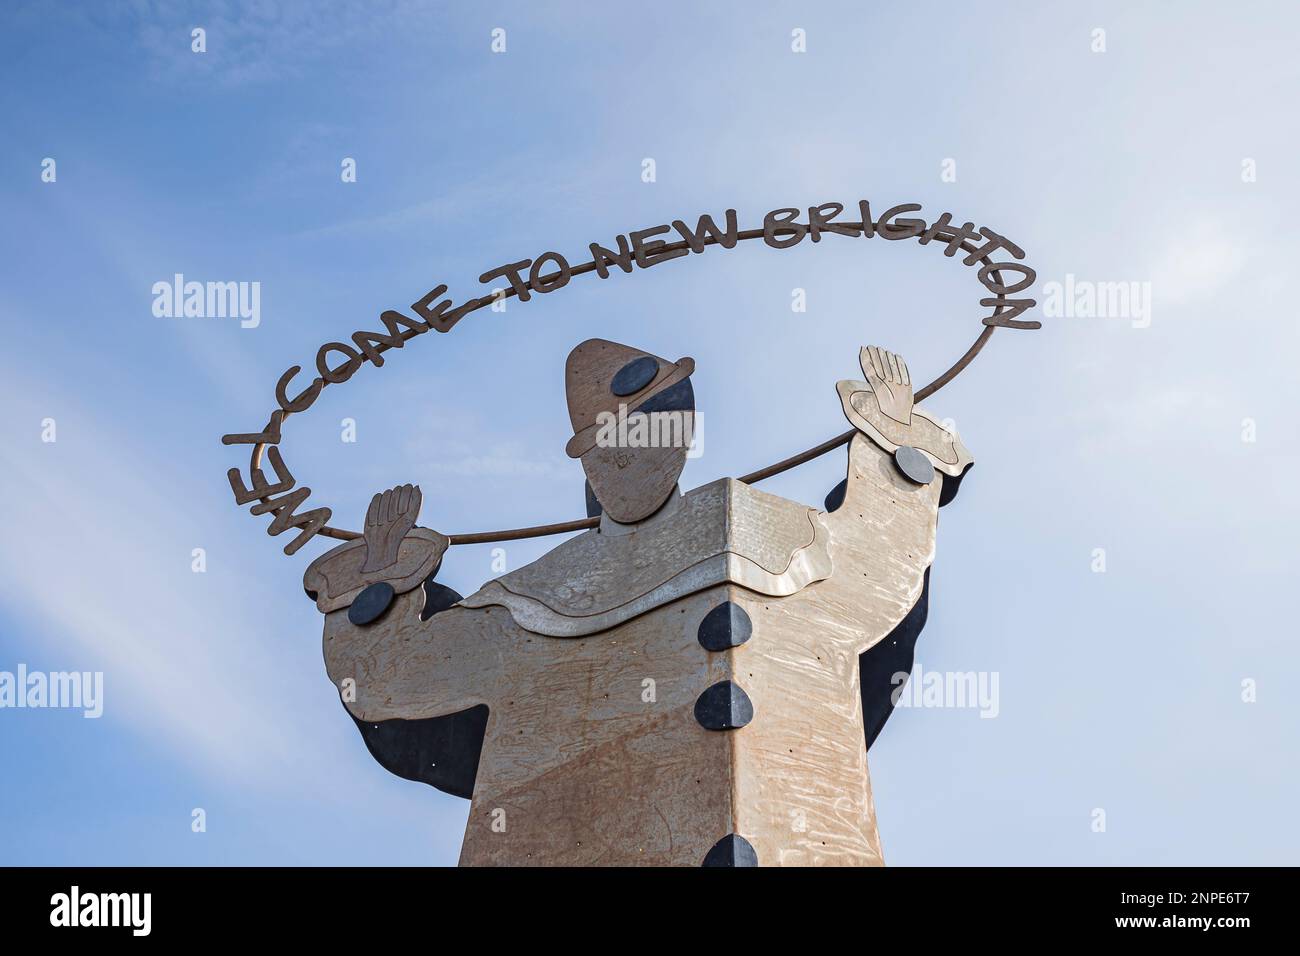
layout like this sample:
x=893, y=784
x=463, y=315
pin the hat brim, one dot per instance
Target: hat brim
x=584, y=440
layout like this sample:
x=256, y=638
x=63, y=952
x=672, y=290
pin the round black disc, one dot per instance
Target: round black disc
x=914, y=465
x=371, y=604
x=634, y=376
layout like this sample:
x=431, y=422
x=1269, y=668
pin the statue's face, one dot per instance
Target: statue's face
x=632, y=483
x=634, y=466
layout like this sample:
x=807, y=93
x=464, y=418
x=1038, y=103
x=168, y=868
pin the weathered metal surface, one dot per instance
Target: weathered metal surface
x=592, y=753
x=614, y=392
x=336, y=577
x=581, y=763
x=882, y=408
x=721, y=532
x=589, y=373
x=391, y=515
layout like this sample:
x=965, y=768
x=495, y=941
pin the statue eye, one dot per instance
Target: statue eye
x=634, y=376
x=676, y=398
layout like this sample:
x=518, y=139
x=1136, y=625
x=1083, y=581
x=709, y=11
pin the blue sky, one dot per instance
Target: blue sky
x=1119, y=690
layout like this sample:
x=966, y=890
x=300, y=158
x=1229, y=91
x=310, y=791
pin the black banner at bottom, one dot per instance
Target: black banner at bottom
x=929, y=905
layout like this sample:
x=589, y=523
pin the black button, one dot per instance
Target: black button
x=732, y=850
x=724, y=706
x=727, y=625
x=371, y=604
x=914, y=465
x=634, y=376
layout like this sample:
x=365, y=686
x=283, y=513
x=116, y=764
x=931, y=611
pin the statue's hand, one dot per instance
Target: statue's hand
x=391, y=515
x=890, y=381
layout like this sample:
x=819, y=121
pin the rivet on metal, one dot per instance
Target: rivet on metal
x=914, y=465
x=371, y=604
x=726, y=626
x=724, y=706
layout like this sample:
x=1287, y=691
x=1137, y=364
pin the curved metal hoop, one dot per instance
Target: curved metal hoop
x=582, y=524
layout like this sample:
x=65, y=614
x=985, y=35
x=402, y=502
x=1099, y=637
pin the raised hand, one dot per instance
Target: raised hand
x=888, y=377
x=391, y=515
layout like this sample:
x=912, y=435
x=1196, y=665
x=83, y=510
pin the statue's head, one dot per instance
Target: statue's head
x=633, y=418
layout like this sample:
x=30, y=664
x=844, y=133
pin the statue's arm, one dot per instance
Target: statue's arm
x=403, y=667
x=903, y=465
x=883, y=536
x=396, y=644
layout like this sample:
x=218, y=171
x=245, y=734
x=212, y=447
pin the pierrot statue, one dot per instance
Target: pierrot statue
x=696, y=680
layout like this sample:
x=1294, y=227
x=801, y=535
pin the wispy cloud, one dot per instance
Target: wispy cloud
x=103, y=572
